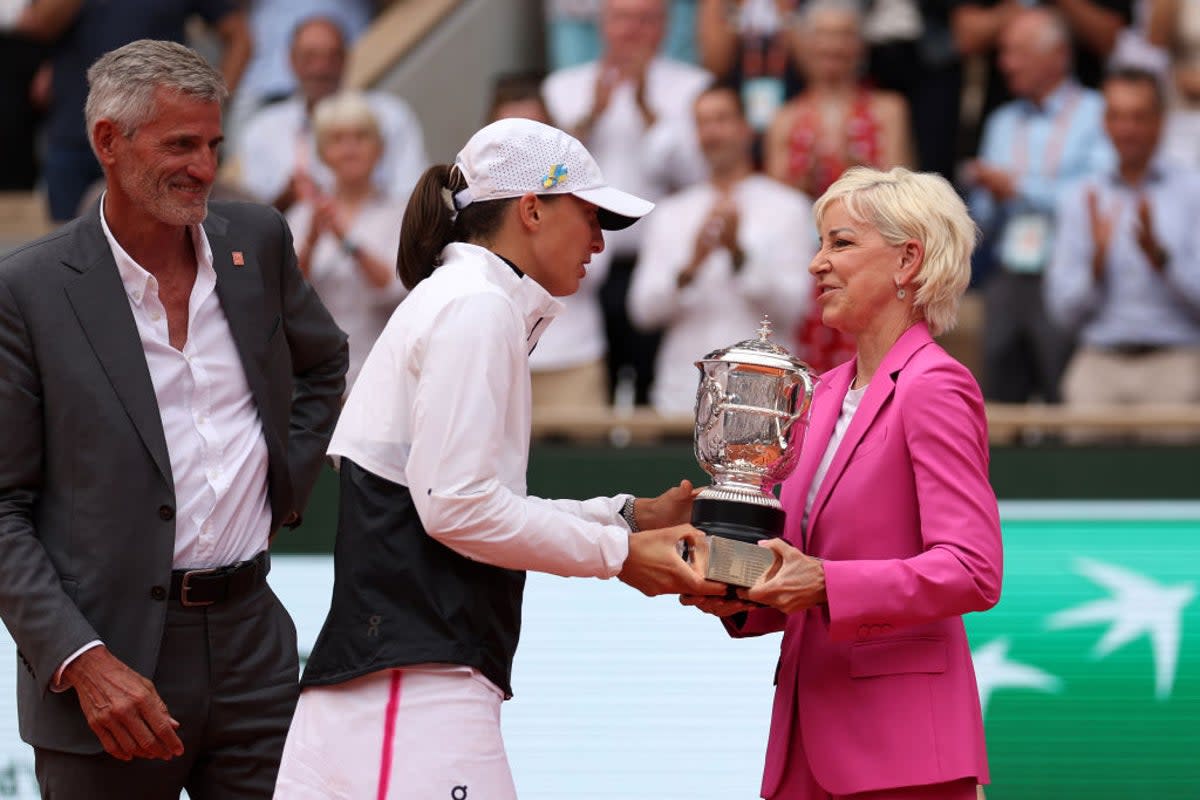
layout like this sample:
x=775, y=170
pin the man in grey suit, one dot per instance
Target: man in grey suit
x=168, y=384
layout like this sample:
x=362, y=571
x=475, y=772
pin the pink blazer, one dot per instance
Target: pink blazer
x=878, y=684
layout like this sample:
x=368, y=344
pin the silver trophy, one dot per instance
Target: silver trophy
x=751, y=414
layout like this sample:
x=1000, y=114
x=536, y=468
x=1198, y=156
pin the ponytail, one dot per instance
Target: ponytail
x=429, y=224
x=427, y=227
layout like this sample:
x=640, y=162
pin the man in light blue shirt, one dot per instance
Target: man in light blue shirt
x=1032, y=147
x=1125, y=275
x=269, y=76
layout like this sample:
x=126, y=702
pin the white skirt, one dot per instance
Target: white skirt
x=428, y=732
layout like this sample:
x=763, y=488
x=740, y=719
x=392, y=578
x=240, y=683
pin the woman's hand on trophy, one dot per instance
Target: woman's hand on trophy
x=796, y=582
x=654, y=567
x=672, y=507
x=717, y=606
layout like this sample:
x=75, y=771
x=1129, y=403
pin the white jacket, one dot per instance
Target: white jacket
x=442, y=406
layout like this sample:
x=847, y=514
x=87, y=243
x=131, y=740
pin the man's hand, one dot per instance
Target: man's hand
x=709, y=239
x=122, y=708
x=608, y=77
x=1147, y=239
x=638, y=74
x=672, y=507
x=727, y=209
x=1102, y=229
x=996, y=181
x=796, y=582
x=654, y=565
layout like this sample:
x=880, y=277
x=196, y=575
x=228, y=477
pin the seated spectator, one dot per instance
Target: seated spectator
x=720, y=255
x=747, y=44
x=567, y=367
x=277, y=152
x=910, y=50
x=1174, y=25
x=1032, y=148
x=1126, y=269
x=573, y=32
x=1093, y=28
x=269, y=77
x=346, y=240
x=83, y=30
x=632, y=109
x=836, y=123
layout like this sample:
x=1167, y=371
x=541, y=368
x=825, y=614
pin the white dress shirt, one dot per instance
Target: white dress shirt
x=649, y=162
x=210, y=421
x=720, y=306
x=442, y=406
x=358, y=308
x=279, y=136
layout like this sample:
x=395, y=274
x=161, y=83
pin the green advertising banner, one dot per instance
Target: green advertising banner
x=1089, y=667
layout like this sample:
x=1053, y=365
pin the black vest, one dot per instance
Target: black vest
x=401, y=597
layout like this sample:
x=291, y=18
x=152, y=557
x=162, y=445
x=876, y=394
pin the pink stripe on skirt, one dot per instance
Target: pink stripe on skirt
x=389, y=733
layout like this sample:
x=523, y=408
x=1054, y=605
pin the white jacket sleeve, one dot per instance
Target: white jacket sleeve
x=601, y=510
x=460, y=414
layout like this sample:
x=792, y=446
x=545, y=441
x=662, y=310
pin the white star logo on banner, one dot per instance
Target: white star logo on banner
x=1138, y=605
x=994, y=670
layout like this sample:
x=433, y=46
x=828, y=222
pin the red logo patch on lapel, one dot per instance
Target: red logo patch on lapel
x=239, y=260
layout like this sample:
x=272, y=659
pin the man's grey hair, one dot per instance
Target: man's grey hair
x=122, y=82
x=1054, y=30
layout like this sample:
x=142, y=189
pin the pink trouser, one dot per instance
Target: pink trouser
x=429, y=732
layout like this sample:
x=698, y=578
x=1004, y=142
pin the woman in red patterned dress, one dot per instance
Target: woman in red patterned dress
x=835, y=123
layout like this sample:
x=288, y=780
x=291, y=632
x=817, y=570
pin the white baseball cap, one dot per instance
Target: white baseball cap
x=513, y=157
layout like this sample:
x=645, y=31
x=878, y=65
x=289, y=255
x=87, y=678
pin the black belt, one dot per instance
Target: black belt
x=1136, y=349
x=204, y=587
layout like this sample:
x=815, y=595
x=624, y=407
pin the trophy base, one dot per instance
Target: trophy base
x=734, y=530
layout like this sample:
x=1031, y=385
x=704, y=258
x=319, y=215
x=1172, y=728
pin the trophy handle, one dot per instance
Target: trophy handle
x=809, y=385
x=716, y=401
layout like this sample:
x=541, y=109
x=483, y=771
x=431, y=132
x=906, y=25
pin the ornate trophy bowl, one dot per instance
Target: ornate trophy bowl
x=751, y=414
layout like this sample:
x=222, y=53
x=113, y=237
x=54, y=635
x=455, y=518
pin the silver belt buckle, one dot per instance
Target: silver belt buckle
x=185, y=587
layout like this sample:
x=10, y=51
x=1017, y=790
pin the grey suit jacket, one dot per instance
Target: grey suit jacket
x=87, y=500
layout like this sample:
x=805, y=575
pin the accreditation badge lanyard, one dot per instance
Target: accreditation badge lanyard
x=1028, y=235
x=764, y=64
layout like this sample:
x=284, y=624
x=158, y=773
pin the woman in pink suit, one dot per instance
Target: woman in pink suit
x=892, y=528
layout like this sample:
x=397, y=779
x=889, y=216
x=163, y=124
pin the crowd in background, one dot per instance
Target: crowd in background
x=1071, y=126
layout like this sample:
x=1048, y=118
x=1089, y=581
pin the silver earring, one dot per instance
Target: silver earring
x=900, y=293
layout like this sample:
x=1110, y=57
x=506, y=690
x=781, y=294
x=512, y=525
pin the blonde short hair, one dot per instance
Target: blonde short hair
x=904, y=205
x=345, y=110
